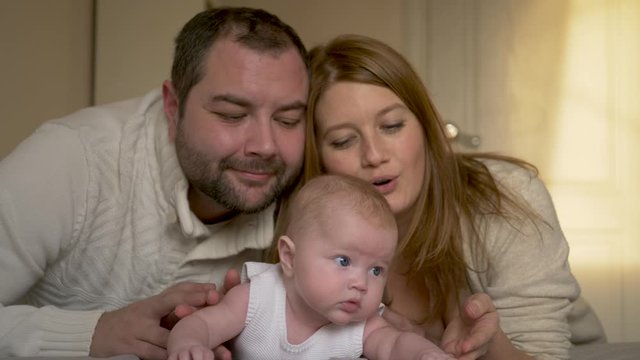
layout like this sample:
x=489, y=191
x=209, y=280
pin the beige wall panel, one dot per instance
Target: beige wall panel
x=319, y=21
x=45, y=62
x=134, y=44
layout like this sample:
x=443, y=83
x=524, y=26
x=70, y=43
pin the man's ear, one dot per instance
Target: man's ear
x=170, y=103
x=286, y=251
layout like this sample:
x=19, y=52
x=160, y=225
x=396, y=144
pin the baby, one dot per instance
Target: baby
x=323, y=299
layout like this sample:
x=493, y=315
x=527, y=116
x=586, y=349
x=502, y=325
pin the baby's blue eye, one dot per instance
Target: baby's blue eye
x=343, y=261
x=376, y=271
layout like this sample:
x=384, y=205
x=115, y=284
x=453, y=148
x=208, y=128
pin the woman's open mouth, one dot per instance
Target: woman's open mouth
x=384, y=185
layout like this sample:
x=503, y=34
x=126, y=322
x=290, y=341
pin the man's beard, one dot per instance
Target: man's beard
x=213, y=181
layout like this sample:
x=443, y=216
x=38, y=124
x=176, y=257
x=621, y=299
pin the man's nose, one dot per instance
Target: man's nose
x=260, y=139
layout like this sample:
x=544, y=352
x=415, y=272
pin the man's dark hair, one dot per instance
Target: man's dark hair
x=253, y=28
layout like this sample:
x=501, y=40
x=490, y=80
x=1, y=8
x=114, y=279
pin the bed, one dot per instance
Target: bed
x=605, y=351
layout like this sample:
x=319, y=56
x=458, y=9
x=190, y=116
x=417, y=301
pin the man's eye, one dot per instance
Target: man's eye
x=230, y=116
x=342, y=261
x=376, y=271
x=288, y=122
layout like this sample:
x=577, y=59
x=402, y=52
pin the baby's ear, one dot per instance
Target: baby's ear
x=286, y=251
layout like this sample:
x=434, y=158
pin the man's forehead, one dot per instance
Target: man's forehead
x=228, y=45
x=239, y=75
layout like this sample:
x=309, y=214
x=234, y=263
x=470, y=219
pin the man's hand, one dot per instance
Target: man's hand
x=231, y=279
x=136, y=329
x=468, y=335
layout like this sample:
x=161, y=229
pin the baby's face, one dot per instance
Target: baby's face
x=340, y=270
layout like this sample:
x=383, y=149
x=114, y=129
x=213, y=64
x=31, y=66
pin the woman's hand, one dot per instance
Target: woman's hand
x=470, y=332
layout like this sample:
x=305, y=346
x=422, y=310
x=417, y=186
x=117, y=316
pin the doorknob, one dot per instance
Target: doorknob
x=454, y=134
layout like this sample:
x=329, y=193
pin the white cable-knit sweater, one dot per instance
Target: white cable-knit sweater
x=93, y=216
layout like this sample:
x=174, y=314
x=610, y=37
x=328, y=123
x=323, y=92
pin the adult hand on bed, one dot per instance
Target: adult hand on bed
x=142, y=328
x=231, y=279
x=468, y=335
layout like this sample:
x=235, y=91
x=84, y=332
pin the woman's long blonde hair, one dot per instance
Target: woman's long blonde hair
x=457, y=187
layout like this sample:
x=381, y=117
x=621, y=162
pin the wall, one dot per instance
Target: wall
x=52, y=66
x=46, y=63
x=149, y=39
x=134, y=44
x=319, y=21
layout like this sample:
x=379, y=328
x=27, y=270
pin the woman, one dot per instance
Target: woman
x=468, y=224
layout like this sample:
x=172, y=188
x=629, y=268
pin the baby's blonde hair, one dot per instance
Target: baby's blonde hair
x=326, y=192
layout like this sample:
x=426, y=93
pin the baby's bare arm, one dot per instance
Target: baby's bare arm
x=210, y=326
x=384, y=342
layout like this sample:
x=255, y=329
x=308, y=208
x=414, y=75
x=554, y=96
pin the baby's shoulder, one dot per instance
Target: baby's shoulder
x=251, y=270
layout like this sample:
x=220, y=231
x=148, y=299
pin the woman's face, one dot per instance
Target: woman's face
x=366, y=131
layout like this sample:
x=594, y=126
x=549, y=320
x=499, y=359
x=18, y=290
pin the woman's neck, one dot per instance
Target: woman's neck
x=403, y=220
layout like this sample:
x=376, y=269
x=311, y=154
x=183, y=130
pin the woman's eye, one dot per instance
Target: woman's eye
x=342, y=143
x=342, y=261
x=393, y=128
x=376, y=270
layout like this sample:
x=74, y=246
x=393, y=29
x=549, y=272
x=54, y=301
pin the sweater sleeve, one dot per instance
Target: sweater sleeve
x=528, y=277
x=43, y=186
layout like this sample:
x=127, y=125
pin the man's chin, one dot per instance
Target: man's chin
x=254, y=197
x=256, y=203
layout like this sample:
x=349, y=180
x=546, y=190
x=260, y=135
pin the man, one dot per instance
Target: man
x=116, y=219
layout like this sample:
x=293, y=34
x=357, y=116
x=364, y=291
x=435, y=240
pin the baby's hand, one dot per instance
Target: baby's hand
x=194, y=352
x=436, y=355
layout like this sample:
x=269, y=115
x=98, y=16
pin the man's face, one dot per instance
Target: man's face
x=240, y=140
